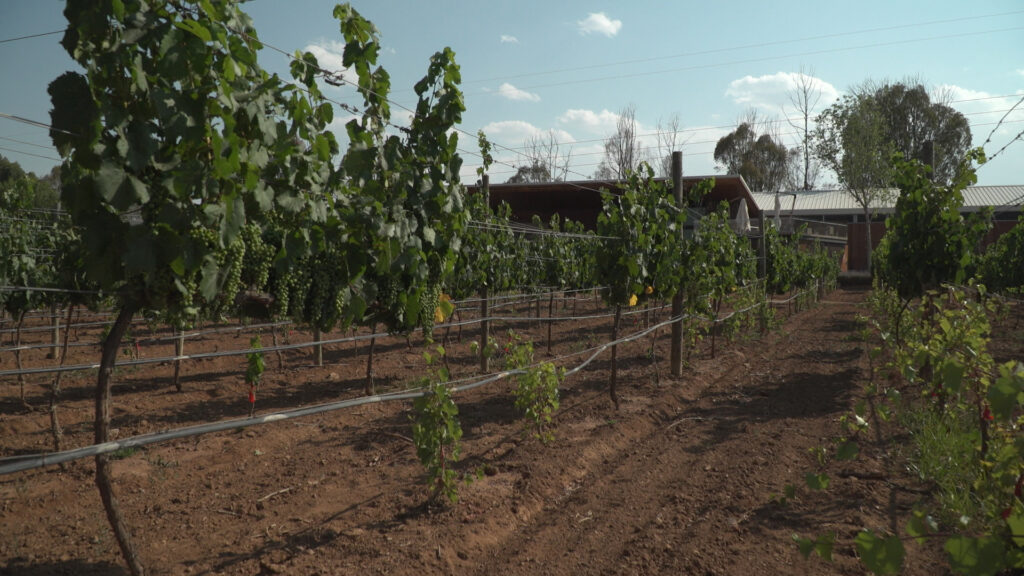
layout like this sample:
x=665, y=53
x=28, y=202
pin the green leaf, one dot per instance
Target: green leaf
x=847, y=451
x=109, y=180
x=1007, y=392
x=952, y=375
x=789, y=491
x=976, y=556
x=264, y=196
x=209, y=281
x=824, y=545
x=229, y=69
x=234, y=218
x=880, y=555
x=806, y=545
x=918, y=526
x=196, y=28
x=817, y=481
x=1016, y=524
x=136, y=190
x=178, y=266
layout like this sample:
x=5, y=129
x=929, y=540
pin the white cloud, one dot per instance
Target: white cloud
x=510, y=92
x=1020, y=71
x=329, y=55
x=599, y=23
x=510, y=132
x=599, y=123
x=771, y=92
x=508, y=39
x=984, y=111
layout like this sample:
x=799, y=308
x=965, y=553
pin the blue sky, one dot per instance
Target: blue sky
x=569, y=67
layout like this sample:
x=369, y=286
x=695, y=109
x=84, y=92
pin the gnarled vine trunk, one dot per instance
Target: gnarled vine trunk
x=615, y=336
x=55, y=428
x=102, y=434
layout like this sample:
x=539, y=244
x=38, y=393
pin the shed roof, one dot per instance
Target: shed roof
x=839, y=203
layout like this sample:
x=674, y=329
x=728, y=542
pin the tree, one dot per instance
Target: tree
x=622, y=150
x=34, y=192
x=9, y=170
x=669, y=141
x=805, y=97
x=762, y=160
x=920, y=129
x=534, y=173
x=850, y=139
x=547, y=161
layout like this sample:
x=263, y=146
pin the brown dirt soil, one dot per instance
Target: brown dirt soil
x=682, y=479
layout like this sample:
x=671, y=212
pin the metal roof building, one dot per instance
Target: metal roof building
x=819, y=204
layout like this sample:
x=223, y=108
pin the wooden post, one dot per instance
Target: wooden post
x=319, y=348
x=179, y=350
x=676, y=356
x=551, y=314
x=615, y=365
x=762, y=249
x=55, y=335
x=369, y=361
x=280, y=359
x=485, y=326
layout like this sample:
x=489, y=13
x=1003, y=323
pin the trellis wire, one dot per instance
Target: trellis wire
x=28, y=462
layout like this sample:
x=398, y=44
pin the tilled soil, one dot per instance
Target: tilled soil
x=686, y=477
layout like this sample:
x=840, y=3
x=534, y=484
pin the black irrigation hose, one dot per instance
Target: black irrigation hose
x=203, y=355
x=28, y=462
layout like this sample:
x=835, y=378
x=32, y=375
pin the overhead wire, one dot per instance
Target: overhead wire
x=770, y=58
x=742, y=47
x=6, y=40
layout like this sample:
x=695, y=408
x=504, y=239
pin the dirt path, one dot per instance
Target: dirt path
x=679, y=481
x=689, y=493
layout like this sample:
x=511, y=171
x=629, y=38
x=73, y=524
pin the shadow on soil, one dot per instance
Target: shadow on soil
x=22, y=567
x=800, y=395
x=310, y=539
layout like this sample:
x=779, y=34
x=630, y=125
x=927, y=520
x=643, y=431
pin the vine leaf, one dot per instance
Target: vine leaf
x=1007, y=392
x=880, y=555
x=976, y=556
x=817, y=481
x=919, y=526
x=822, y=545
x=1015, y=521
x=847, y=451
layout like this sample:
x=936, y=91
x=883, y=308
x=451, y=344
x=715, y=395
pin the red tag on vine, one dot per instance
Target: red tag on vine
x=252, y=395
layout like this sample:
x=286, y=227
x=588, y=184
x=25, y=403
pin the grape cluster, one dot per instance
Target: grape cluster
x=259, y=255
x=429, y=298
x=388, y=290
x=233, y=258
x=325, y=296
x=229, y=268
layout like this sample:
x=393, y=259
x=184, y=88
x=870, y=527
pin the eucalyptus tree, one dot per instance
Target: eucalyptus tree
x=921, y=127
x=761, y=159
